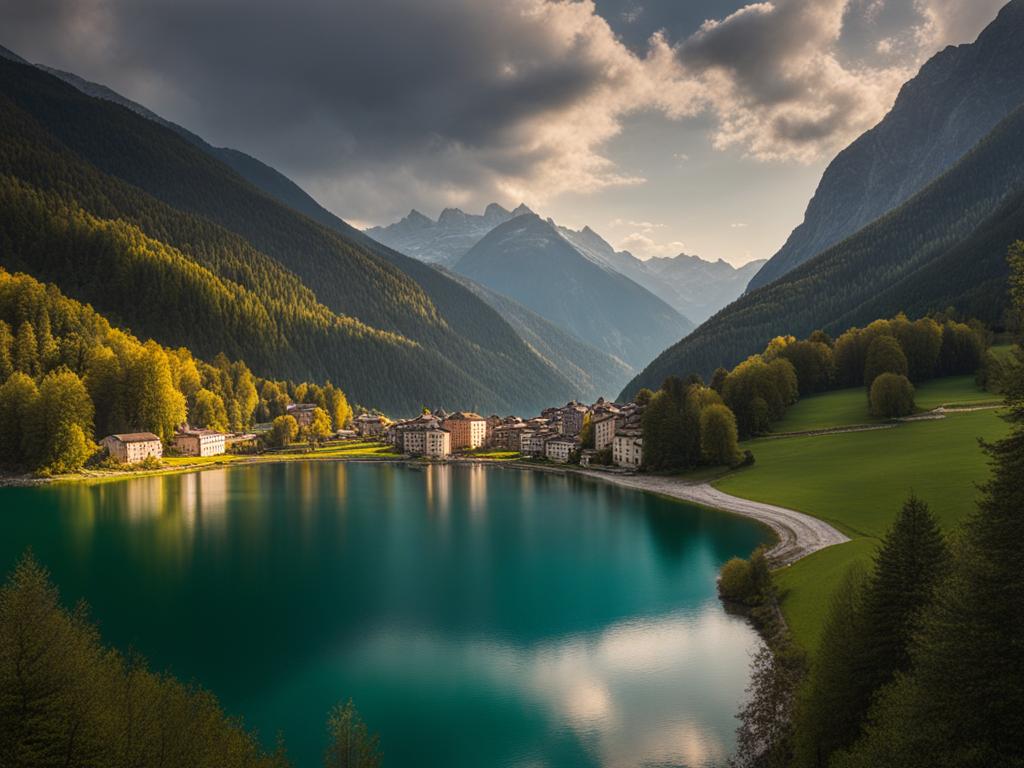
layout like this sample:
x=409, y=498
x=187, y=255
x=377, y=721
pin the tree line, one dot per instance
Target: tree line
x=67, y=377
x=66, y=700
x=919, y=663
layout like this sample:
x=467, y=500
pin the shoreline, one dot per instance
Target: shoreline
x=797, y=533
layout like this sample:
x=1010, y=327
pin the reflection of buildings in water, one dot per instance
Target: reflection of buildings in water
x=438, y=489
x=477, y=486
x=139, y=498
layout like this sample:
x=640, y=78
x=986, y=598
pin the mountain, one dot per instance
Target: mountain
x=691, y=285
x=959, y=95
x=597, y=373
x=443, y=241
x=946, y=246
x=526, y=259
x=163, y=237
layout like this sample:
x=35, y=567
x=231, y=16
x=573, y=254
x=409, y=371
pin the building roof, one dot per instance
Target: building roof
x=369, y=417
x=466, y=416
x=197, y=432
x=134, y=437
x=302, y=406
x=560, y=439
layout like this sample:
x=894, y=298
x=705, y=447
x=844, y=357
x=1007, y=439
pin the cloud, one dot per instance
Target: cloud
x=379, y=107
x=951, y=22
x=645, y=247
x=776, y=80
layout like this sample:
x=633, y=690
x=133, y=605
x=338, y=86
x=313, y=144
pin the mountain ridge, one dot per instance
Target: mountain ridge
x=957, y=97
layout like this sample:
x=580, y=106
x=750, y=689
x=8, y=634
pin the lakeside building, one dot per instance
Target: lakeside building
x=587, y=456
x=628, y=443
x=369, y=425
x=493, y=422
x=468, y=430
x=604, y=429
x=437, y=442
x=199, y=442
x=571, y=418
x=133, y=447
x=302, y=412
x=559, y=448
x=533, y=442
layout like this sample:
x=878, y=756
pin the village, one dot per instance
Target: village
x=603, y=433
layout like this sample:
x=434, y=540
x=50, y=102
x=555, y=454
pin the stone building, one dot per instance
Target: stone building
x=369, y=425
x=559, y=448
x=199, y=442
x=468, y=430
x=133, y=447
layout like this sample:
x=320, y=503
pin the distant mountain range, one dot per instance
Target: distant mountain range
x=958, y=97
x=943, y=246
x=212, y=249
x=692, y=286
x=528, y=260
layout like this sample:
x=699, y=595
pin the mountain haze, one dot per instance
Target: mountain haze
x=528, y=260
x=959, y=95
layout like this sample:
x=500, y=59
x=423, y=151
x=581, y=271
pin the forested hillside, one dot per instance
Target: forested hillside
x=960, y=95
x=944, y=247
x=204, y=259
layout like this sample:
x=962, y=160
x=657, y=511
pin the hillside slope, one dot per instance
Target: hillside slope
x=527, y=260
x=105, y=164
x=597, y=373
x=946, y=246
x=959, y=95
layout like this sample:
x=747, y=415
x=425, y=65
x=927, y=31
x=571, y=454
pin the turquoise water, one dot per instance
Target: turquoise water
x=478, y=616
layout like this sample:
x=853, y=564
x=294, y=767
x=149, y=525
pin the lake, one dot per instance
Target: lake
x=478, y=616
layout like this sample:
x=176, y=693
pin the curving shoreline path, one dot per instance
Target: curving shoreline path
x=799, y=534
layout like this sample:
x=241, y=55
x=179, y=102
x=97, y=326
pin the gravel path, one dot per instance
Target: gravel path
x=799, y=534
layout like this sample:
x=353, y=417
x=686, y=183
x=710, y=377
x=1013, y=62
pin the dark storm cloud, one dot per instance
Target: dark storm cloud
x=376, y=106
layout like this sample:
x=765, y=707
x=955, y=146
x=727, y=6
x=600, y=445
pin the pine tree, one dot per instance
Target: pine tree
x=26, y=350
x=350, y=743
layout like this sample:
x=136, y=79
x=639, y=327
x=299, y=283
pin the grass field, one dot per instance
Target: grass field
x=857, y=481
x=847, y=407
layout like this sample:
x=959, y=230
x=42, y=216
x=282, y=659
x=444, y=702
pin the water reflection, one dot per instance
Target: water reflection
x=480, y=616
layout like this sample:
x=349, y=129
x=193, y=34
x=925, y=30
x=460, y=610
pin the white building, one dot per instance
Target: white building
x=559, y=448
x=199, y=442
x=604, y=430
x=437, y=442
x=628, y=448
x=133, y=447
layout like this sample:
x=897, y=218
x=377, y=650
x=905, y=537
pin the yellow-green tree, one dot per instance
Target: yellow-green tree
x=156, y=405
x=26, y=350
x=61, y=424
x=18, y=396
x=319, y=427
x=283, y=431
x=719, y=440
x=337, y=407
x=209, y=411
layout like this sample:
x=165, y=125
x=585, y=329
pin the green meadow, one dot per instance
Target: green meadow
x=858, y=480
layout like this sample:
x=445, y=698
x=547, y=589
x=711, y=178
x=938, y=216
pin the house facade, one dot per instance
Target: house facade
x=437, y=442
x=628, y=448
x=571, y=418
x=303, y=413
x=199, y=442
x=604, y=430
x=468, y=430
x=369, y=425
x=559, y=448
x=133, y=447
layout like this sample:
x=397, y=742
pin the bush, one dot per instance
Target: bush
x=892, y=396
x=747, y=582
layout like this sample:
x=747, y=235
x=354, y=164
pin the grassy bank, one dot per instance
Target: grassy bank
x=857, y=481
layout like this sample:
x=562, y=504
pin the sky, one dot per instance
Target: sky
x=668, y=126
